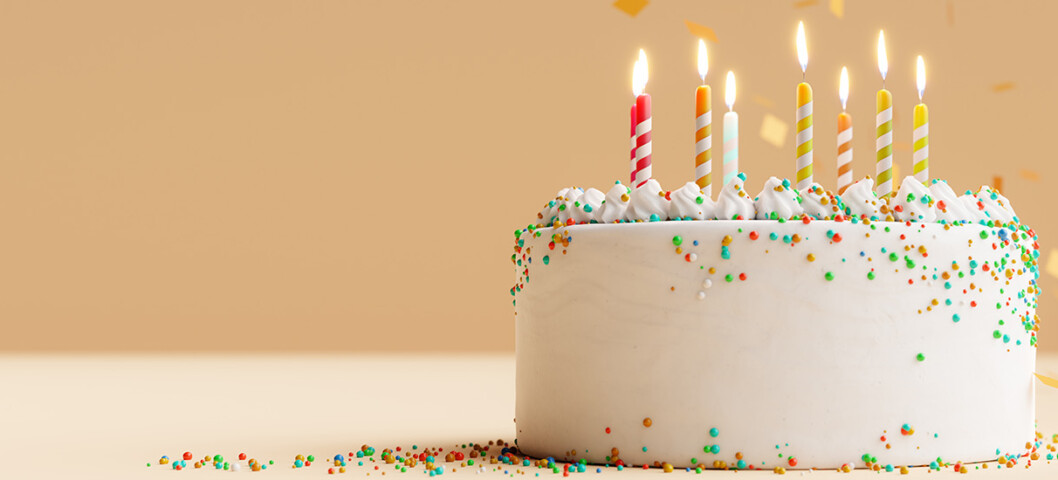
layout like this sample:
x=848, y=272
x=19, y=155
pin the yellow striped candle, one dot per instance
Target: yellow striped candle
x=883, y=144
x=804, y=117
x=703, y=127
x=921, y=132
x=844, y=135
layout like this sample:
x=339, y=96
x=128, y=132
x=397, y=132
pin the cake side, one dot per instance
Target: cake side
x=812, y=340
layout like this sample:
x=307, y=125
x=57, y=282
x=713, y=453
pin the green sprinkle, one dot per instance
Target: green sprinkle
x=893, y=257
x=996, y=334
x=870, y=275
x=920, y=357
x=829, y=276
x=984, y=234
x=546, y=259
x=677, y=240
x=955, y=318
x=729, y=278
x=699, y=200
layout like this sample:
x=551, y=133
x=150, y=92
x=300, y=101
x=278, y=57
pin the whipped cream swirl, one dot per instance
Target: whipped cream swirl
x=818, y=203
x=583, y=210
x=859, y=199
x=778, y=200
x=649, y=202
x=913, y=202
x=948, y=207
x=615, y=207
x=734, y=202
x=689, y=203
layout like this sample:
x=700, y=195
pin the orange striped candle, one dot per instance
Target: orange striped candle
x=844, y=135
x=703, y=127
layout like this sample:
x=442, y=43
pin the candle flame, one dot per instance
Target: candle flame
x=843, y=87
x=921, y=77
x=639, y=74
x=883, y=60
x=703, y=60
x=729, y=90
x=802, y=47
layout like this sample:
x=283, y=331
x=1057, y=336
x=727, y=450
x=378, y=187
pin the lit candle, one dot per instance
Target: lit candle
x=703, y=127
x=641, y=173
x=804, y=116
x=921, y=132
x=844, y=135
x=883, y=143
x=730, y=131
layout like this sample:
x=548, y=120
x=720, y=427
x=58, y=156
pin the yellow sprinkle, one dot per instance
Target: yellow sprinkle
x=811, y=257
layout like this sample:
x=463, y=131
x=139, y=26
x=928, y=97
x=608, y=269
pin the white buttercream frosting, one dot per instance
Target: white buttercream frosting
x=734, y=201
x=586, y=207
x=859, y=199
x=649, y=202
x=946, y=203
x=777, y=200
x=913, y=202
x=688, y=202
x=819, y=203
x=996, y=206
x=615, y=207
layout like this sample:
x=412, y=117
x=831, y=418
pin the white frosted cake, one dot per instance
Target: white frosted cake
x=793, y=330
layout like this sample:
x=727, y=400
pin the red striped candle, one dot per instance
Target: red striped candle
x=641, y=173
x=632, y=151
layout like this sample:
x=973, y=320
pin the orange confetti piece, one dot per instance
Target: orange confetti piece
x=1030, y=175
x=701, y=31
x=764, y=102
x=1050, y=382
x=997, y=183
x=1052, y=263
x=837, y=7
x=805, y=3
x=773, y=130
x=631, y=7
x=1002, y=87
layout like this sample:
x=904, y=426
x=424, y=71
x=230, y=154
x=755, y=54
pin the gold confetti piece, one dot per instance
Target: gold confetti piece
x=773, y=130
x=805, y=3
x=1002, y=87
x=837, y=7
x=997, y=183
x=631, y=7
x=1050, y=382
x=1052, y=263
x=1030, y=175
x=764, y=102
x=701, y=31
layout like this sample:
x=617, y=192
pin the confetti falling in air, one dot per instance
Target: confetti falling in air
x=1050, y=382
x=773, y=130
x=837, y=7
x=805, y=3
x=701, y=31
x=1002, y=87
x=1052, y=263
x=631, y=7
x=997, y=183
x=763, y=101
x=1030, y=175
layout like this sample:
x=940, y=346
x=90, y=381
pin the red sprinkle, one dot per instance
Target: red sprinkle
x=898, y=208
x=753, y=235
x=242, y=456
x=742, y=276
x=792, y=461
x=187, y=456
x=806, y=219
x=607, y=429
x=836, y=238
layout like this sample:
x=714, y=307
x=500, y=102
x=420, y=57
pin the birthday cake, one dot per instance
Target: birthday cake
x=790, y=329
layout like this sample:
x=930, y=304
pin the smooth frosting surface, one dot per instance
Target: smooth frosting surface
x=820, y=337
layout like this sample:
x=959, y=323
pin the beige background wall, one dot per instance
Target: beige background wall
x=346, y=176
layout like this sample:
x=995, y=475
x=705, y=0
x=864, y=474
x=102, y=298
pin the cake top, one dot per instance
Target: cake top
x=777, y=200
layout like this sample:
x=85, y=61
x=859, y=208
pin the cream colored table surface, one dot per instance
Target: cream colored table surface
x=91, y=416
